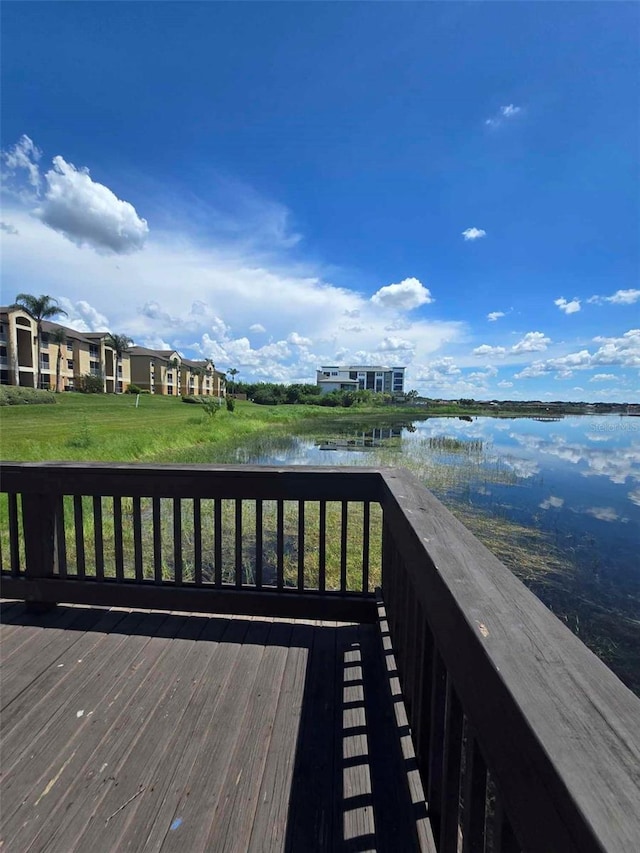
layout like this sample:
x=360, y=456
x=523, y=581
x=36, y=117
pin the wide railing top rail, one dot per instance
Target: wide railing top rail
x=253, y=482
x=559, y=732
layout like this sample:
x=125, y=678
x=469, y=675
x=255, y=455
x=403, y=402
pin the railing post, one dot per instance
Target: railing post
x=39, y=525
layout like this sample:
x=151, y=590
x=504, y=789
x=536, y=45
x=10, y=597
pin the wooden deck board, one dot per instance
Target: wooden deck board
x=198, y=733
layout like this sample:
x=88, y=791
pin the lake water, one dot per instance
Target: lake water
x=558, y=500
x=577, y=478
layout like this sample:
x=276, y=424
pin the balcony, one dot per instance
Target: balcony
x=332, y=662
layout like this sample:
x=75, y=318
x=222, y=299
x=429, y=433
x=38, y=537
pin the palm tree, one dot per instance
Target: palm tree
x=233, y=372
x=119, y=344
x=39, y=308
x=59, y=337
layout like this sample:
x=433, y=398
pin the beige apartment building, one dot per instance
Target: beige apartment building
x=166, y=372
x=80, y=354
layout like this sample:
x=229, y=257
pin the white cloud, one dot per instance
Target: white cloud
x=200, y=299
x=634, y=497
x=8, y=228
x=532, y=342
x=408, y=294
x=395, y=345
x=257, y=327
x=88, y=213
x=298, y=340
x=624, y=351
x=507, y=112
x=24, y=156
x=552, y=502
x=485, y=349
x=505, y=384
x=84, y=211
x=474, y=233
x=83, y=316
x=620, y=297
x=495, y=315
x=568, y=307
x=602, y=377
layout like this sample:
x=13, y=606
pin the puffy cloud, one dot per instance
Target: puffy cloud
x=504, y=113
x=485, y=349
x=88, y=213
x=437, y=369
x=71, y=203
x=474, y=233
x=624, y=351
x=24, y=156
x=495, y=315
x=532, y=342
x=298, y=340
x=257, y=327
x=505, y=384
x=568, y=307
x=408, y=294
x=395, y=345
x=602, y=377
x=620, y=297
x=83, y=316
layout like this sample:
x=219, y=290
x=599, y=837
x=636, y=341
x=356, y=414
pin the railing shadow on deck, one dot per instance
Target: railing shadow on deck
x=349, y=788
x=524, y=740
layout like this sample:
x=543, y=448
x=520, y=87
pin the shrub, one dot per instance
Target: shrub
x=134, y=389
x=231, y=404
x=89, y=384
x=12, y=395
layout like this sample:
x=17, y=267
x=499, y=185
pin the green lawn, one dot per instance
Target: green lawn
x=110, y=427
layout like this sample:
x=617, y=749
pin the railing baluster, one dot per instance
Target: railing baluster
x=217, y=538
x=450, y=816
x=78, y=521
x=322, y=547
x=197, y=542
x=475, y=796
x=423, y=733
x=280, y=544
x=117, y=537
x=177, y=541
x=366, y=533
x=259, y=557
x=343, y=546
x=504, y=839
x=436, y=740
x=157, y=540
x=238, y=542
x=98, y=537
x=300, y=546
x=137, y=539
x=61, y=542
x=14, y=535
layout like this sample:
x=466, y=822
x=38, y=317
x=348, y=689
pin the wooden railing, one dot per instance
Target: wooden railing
x=524, y=739
x=294, y=542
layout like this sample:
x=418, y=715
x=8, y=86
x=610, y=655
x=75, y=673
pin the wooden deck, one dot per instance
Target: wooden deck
x=131, y=730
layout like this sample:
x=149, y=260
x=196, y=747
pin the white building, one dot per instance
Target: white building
x=358, y=377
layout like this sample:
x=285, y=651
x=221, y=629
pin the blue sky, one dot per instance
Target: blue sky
x=448, y=186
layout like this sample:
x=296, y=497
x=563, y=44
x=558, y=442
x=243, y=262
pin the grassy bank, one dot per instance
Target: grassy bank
x=111, y=428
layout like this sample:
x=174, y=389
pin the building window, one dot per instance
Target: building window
x=44, y=340
x=94, y=351
x=44, y=361
x=70, y=364
x=69, y=345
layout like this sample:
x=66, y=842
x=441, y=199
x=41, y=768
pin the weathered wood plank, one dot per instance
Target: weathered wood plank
x=270, y=819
